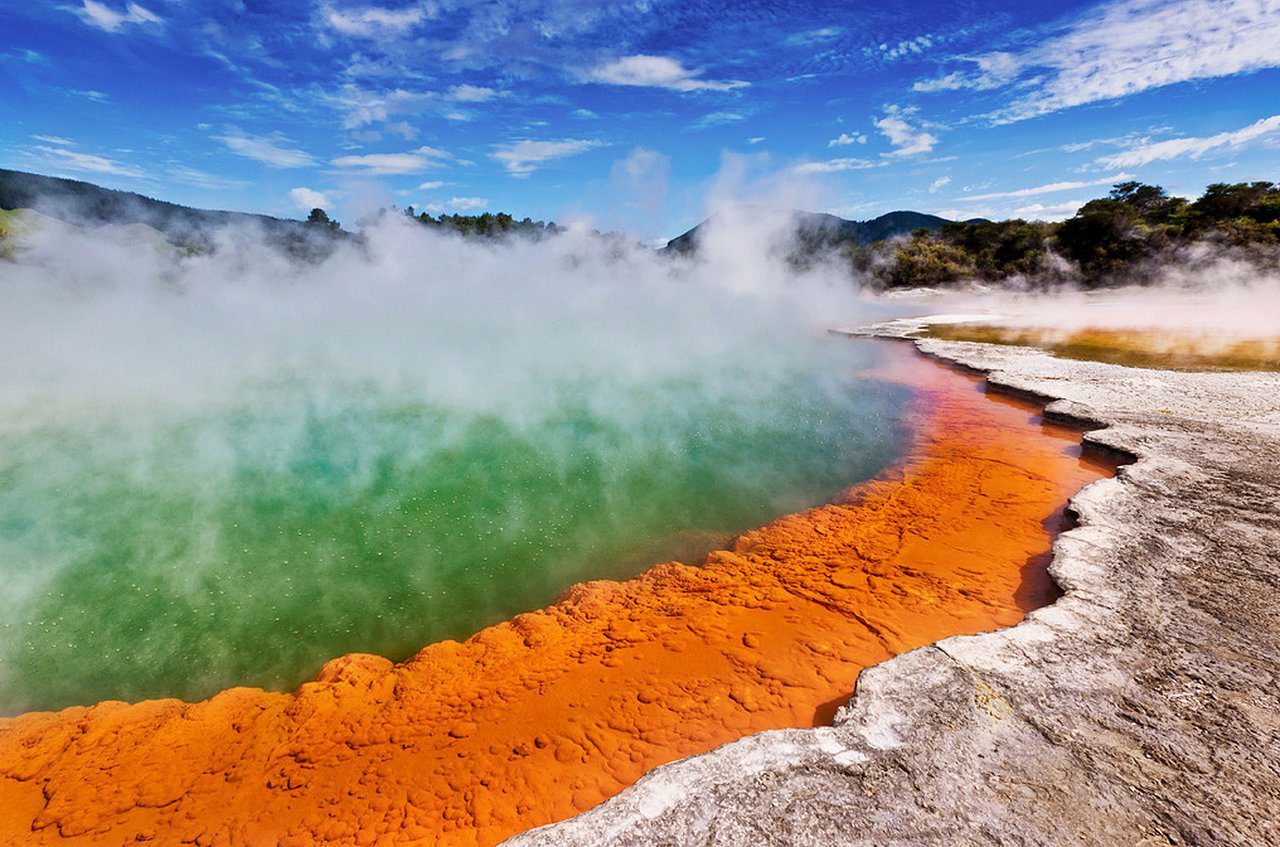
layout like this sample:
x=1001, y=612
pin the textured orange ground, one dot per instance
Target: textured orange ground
x=546, y=715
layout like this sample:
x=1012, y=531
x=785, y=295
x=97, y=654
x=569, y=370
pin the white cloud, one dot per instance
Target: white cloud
x=432, y=186
x=1174, y=148
x=380, y=164
x=658, y=72
x=755, y=139
x=55, y=139
x=523, y=157
x=307, y=199
x=1048, y=188
x=1125, y=47
x=372, y=21
x=844, y=139
x=907, y=139
x=271, y=150
x=108, y=19
x=938, y=184
x=833, y=166
x=88, y=162
x=1053, y=212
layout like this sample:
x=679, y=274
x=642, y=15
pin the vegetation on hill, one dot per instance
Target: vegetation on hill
x=190, y=230
x=487, y=225
x=1124, y=237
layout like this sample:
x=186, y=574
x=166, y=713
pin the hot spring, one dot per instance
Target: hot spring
x=225, y=470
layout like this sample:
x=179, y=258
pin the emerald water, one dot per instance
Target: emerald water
x=186, y=506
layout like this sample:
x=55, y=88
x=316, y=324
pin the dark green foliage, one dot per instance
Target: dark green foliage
x=487, y=225
x=319, y=217
x=1114, y=239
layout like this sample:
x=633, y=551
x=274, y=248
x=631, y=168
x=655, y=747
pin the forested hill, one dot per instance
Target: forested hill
x=1132, y=235
x=819, y=231
x=85, y=203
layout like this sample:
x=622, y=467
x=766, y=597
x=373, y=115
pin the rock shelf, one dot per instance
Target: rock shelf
x=1138, y=709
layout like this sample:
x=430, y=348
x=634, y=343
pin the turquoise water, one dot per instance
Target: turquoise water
x=175, y=551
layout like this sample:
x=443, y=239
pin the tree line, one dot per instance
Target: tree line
x=1115, y=239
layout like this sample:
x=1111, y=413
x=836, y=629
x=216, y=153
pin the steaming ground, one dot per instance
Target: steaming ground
x=227, y=469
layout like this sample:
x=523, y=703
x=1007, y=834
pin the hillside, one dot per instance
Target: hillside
x=86, y=204
x=817, y=230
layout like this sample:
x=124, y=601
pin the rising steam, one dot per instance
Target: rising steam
x=229, y=467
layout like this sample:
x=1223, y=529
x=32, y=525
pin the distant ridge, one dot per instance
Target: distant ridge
x=79, y=202
x=86, y=204
x=819, y=229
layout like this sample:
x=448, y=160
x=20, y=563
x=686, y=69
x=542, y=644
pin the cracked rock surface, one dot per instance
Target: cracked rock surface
x=1142, y=708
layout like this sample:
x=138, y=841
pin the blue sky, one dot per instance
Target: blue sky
x=634, y=113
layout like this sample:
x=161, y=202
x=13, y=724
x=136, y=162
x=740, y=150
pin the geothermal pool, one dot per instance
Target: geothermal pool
x=149, y=550
x=553, y=711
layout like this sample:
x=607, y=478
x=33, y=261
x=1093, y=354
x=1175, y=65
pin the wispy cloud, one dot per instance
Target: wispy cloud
x=64, y=156
x=991, y=70
x=107, y=19
x=524, y=157
x=471, y=94
x=273, y=150
x=717, y=119
x=411, y=162
x=1175, y=148
x=658, y=72
x=432, y=185
x=361, y=106
x=458, y=204
x=204, y=179
x=1047, y=188
x=899, y=126
x=1122, y=48
x=813, y=36
x=1052, y=212
x=938, y=184
x=54, y=139
x=831, y=166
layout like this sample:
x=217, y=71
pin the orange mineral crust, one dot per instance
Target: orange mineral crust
x=533, y=720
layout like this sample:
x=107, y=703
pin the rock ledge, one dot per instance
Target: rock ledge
x=1140, y=709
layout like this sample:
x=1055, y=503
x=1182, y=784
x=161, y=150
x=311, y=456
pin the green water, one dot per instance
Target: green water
x=177, y=552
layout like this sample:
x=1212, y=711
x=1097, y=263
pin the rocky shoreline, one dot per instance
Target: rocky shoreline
x=1139, y=709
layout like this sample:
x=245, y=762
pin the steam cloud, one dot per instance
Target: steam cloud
x=217, y=466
